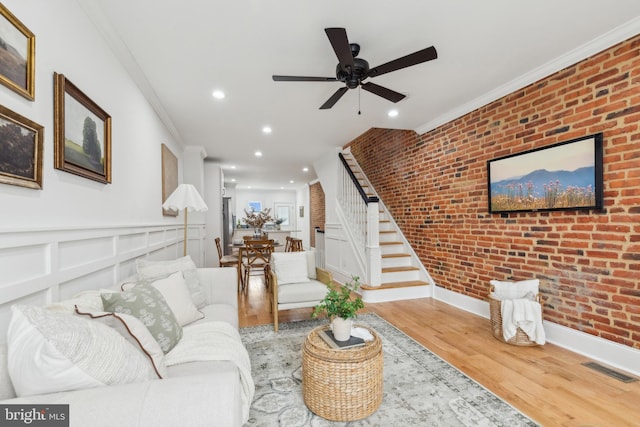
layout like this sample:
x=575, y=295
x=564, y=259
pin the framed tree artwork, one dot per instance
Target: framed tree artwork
x=17, y=55
x=20, y=150
x=82, y=133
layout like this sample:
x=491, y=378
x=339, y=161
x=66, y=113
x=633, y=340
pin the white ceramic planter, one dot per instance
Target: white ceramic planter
x=341, y=328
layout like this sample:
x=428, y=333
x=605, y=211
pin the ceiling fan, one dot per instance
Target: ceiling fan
x=352, y=70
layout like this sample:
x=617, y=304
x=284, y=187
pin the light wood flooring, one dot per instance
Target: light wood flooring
x=548, y=383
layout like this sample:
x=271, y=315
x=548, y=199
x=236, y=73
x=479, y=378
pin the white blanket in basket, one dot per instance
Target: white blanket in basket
x=524, y=314
x=206, y=341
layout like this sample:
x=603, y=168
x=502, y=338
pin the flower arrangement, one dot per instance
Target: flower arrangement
x=338, y=302
x=257, y=219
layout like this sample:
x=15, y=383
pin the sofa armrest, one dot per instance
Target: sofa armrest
x=324, y=276
x=151, y=403
x=220, y=284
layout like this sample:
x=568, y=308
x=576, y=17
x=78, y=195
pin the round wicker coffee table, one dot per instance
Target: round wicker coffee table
x=342, y=384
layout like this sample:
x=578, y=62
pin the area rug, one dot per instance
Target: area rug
x=420, y=389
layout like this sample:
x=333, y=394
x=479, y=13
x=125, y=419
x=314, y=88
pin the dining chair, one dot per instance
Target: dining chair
x=225, y=260
x=293, y=245
x=256, y=255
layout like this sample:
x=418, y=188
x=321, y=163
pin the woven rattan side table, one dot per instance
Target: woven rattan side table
x=342, y=384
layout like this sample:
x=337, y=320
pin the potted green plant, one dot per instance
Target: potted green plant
x=340, y=307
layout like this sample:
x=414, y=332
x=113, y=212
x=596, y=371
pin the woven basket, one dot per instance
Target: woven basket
x=342, y=385
x=520, y=338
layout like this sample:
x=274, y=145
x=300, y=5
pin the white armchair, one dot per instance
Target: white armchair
x=296, y=282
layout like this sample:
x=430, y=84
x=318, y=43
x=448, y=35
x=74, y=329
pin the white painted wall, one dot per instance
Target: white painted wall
x=268, y=198
x=67, y=43
x=327, y=170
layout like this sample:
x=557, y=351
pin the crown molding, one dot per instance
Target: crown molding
x=121, y=51
x=619, y=34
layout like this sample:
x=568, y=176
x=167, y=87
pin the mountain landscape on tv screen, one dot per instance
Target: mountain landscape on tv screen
x=543, y=189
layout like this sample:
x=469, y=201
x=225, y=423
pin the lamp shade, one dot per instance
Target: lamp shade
x=185, y=197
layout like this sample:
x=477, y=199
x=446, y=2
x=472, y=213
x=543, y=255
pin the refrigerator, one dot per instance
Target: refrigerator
x=228, y=224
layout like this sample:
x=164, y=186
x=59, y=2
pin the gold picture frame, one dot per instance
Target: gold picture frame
x=169, y=178
x=82, y=133
x=18, y=55
x=21, y=142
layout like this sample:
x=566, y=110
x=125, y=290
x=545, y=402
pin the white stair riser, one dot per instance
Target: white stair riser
x=388, y=237
x=391, y=249
x=404, y=261
x=385, y=226
x=400, y=276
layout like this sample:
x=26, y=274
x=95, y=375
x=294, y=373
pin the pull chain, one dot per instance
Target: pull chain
x=359, y=100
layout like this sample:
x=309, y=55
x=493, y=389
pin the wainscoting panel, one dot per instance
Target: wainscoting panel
x=49, y=265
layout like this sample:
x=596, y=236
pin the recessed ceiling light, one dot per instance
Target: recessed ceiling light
x=233, y=166
x=291, y=182
x=218, y=94
x=233, y=180
x=248, y=186
x=392, y=113
x=282, y=188
x=305, y=169
x=258, y=154
x=266, y=129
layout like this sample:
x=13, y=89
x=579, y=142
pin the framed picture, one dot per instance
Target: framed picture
x=169, y=178
x=254, y=206
x=567, y=175
x=17, y=55
x=20, y=150
x=82, y=133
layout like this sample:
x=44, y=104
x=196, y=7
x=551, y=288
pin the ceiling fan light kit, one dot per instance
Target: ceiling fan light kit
x=352, y=71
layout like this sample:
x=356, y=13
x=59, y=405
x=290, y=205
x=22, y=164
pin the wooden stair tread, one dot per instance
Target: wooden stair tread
x=395, y=285
x=386, y=231
x=397, y=269
x=390, y=243
x=399, y=255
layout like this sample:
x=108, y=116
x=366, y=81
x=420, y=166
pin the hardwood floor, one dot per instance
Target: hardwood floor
x=548, y=383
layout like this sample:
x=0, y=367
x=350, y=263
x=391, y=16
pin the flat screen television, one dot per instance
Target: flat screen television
x=563, y=176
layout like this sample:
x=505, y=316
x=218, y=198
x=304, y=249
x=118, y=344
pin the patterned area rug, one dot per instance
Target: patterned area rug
x=420, y=389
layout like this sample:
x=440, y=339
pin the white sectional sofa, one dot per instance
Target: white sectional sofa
x=208, y=383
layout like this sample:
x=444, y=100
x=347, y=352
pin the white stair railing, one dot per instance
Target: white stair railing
x=362, y=216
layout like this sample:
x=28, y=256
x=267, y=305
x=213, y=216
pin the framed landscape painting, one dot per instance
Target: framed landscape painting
x=17, y=55
x=567, y=175
x=20, y=150
x=82, y=134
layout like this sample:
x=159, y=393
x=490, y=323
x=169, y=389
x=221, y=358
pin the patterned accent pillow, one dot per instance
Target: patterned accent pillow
x=150, y=271
x=50, y=351
x=147, y=304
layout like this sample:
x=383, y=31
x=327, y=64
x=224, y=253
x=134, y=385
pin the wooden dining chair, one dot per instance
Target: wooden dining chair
x=293, y=245
x=225, y=260
x=256, y=255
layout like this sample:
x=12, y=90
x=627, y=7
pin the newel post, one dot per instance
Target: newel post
x=373, y=253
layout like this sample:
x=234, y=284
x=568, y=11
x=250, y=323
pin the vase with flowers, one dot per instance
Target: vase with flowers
x=257, y=220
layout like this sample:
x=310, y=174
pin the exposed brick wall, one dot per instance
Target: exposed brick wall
x=588, y=262
x=316, y=210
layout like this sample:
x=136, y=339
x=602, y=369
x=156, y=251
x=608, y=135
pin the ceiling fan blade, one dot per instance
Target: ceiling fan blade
x=340, y=44
x=303, y=79
x=415, y=58
x=334, y=98
x=389, y=94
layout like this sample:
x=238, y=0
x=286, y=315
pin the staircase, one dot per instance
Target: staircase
x=402, y=274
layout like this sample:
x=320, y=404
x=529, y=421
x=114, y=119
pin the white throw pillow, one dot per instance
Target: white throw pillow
x=514, y=290
x=134, y=331
x=51, y=351
x=175, y=292
x=150, y=271
x=290, y=267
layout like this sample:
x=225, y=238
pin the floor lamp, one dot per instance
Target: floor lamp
x=186, y=198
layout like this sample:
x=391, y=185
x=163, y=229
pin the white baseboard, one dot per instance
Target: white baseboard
x=607, y=352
